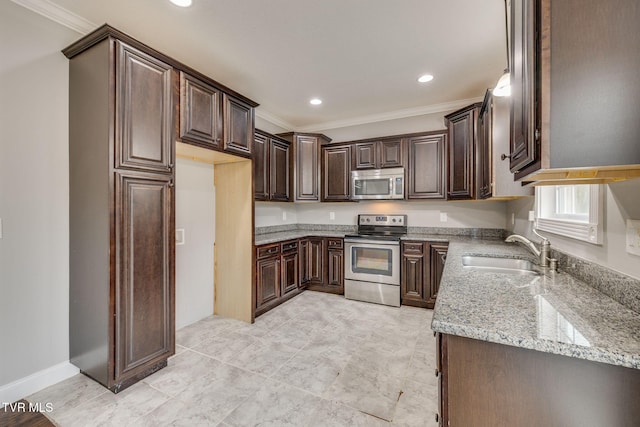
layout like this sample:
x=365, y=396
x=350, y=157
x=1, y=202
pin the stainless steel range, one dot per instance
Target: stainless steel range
x=372, y=259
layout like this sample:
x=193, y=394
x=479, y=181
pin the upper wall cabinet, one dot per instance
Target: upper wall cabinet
x=336, y=173
x=306, y=165
x=387, y=153
x=588, y=52
x=462, y=153
x=425, y=173
x=238, y=125
x=272, y=168
x=200, y=113
x=494, y=179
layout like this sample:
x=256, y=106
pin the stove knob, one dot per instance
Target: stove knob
x=368, y=219
x=393, y=220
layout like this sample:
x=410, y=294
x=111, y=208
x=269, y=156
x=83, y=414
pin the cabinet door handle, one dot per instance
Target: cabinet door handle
x=171, y=184
x=505, y=156
x=437, y=372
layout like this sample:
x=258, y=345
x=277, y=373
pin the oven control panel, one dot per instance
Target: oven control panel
x=399, y=220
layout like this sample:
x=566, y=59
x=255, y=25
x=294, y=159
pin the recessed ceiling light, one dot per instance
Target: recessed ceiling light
x=315, y=101
x=425, y=78
x=181, y=3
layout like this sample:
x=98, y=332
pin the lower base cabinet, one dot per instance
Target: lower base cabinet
x=488, y=384
x=286, y=269
x=277, y=274
x=420, y=272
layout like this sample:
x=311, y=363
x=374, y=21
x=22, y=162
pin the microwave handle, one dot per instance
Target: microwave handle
x=390, y=185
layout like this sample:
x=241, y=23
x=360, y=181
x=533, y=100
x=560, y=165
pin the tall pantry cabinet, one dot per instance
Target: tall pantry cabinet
x=122, y=103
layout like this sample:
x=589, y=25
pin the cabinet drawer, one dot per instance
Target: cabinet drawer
x=268, y=250
x=289, y=246
x=334, y=243
x=412, y=247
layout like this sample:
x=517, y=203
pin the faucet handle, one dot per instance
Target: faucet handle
x=544, y=239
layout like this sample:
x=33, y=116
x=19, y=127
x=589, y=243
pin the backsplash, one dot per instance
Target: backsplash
x=486, y=233
x=618, y=286
x=306, y=227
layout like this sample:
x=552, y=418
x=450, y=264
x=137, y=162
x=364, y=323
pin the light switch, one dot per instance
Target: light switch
x=633, y=237
x=443, y=217
x=532, y=216
x=284, y=216
x=179, y=236
x=332, y=215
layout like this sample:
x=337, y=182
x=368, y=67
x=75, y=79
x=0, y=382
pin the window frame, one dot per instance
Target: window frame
x=590, y=231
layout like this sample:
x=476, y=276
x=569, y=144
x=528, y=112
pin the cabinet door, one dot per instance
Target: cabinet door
x=144, y=111
x=462, y=143
x=145, y=275
x=289, y=273
x=438, y=256
x=316, y=261
x=303, y=250
x=336, y=173
x=426, y=169
x=484, y=148
x=335, y=268
x=200, y=117
x=413, y=274
x=279, y=161
x=238, y=125
x=260, y=167
x=391, y=153
x=365, y=155
x=267, y=280
x=522, y=68
x=307, y=167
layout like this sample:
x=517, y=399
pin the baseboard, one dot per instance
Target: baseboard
x=26, y=386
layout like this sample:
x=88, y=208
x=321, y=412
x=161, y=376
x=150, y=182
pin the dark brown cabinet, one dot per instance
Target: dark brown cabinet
x=336, y=173
x=277, y=274
x=306, y=165
x=272, y=168
x=200, y=112
x=387, y=153
x=144, y=250
x=238, y=125
x=335, y=264
x=316, y=254
x=122, y=101
x=484, y=164
x=461, y=182
x=426, y=172
x=568, y=121
x=421, y=271
x=488, y=384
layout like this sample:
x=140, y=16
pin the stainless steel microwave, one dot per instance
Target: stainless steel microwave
x=377, y=184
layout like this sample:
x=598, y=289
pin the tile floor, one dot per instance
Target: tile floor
x=317, y=360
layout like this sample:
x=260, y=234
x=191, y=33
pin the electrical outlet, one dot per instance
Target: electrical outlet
x=532, y=216
x=633, y=237
x=513, y=218
x=284, y=216
x=443, y=217
x=332, y=215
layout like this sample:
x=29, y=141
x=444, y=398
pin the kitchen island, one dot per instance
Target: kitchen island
x=532, y=349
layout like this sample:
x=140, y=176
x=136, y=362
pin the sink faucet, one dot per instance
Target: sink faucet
x=542, y=254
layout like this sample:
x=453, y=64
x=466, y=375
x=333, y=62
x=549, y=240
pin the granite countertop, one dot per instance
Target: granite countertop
x=281, y=236
x=553, y=312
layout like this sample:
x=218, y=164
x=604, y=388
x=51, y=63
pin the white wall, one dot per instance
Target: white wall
x=622, y=202
x=34, y=193
x=195, y=213
x=421, y=123
x=420, y=214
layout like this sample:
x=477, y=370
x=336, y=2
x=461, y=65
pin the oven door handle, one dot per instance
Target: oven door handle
x=373, y=242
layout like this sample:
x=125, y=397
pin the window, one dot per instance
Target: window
x=573, y=211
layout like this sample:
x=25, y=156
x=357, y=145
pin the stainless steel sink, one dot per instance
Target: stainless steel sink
x=499, y=265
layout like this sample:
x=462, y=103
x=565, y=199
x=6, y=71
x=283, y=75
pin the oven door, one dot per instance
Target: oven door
x=372, y=261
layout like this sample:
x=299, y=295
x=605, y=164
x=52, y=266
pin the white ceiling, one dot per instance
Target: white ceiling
x=362, y=57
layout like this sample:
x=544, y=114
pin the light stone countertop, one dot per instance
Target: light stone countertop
x=281, y=236
x=553, y=312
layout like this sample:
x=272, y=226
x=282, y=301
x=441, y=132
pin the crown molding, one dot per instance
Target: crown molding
x=260, y=112
x=391, y=115
x=58, y=14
